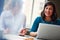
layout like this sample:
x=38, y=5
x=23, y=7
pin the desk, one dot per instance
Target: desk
x=15, y=37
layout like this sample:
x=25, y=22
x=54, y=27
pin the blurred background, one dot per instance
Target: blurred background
x=31, y=8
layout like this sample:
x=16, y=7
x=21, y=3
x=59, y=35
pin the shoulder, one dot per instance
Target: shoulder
x=5, y=13
x=38, y=18
x=58, y=21
x=22, y=15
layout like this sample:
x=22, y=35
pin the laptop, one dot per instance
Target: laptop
x=48, y=31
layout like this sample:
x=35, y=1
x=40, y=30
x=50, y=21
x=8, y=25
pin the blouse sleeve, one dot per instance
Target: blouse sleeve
x=35, y=25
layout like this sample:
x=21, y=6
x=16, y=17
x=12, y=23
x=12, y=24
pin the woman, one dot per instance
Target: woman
x=48, y=15
x=12, y=19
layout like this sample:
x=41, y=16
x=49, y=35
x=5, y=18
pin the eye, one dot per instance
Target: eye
x=50, y=8
x=46, y=8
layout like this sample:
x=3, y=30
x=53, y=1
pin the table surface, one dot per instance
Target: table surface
x=15, y=37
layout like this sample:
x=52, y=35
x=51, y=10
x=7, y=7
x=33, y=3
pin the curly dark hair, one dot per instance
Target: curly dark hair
x=54, y=15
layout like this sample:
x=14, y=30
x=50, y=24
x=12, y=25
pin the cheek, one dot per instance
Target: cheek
x=48, y=13
x=51, y=12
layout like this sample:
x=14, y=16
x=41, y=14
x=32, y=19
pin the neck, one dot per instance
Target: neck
x=48, y=19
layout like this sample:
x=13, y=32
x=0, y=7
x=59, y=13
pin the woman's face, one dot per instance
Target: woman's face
x=48, y=11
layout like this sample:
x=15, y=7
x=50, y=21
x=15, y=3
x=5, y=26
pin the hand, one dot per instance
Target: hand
x=33, y=34
x=23, y=32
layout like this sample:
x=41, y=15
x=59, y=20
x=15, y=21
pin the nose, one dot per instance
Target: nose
x=47, y=10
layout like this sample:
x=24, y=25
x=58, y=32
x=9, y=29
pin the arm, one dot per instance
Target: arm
x=2, y=22
x=22, y=31
x=35, y=25
x=24, y=22
x=34, y=28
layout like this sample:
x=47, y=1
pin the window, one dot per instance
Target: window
x=32, y=9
